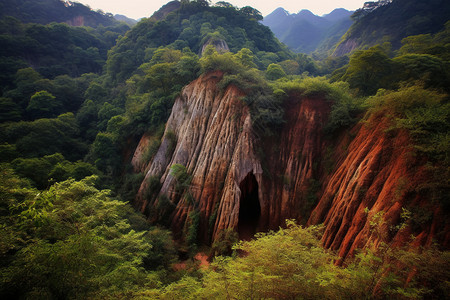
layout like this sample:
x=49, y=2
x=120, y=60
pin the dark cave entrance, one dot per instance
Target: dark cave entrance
x=249, y=208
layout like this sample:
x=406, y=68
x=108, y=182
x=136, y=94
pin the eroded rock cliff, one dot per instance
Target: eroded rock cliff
x=241, y=180
x=376, y=177
x=212, y=137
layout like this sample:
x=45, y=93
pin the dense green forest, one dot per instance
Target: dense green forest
x=378, y=22
x=74, y=99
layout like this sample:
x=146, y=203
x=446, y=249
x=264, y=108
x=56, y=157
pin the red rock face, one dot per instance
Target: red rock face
x=213, y=140
x=294, y=162
x=377, y=174
x=76, y=21
x=216, y=143
x=251, y=183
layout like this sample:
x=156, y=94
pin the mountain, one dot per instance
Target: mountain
x=337, y=15
x=51, y=37
x=183, y=24
x=306, y=32
x=167, y=8
x=393, y=21
x=122, y=18
x=61, y=11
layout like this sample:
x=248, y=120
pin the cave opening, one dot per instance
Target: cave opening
x=249, y=208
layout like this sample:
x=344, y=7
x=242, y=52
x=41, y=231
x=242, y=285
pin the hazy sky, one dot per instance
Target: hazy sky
x=144, y=8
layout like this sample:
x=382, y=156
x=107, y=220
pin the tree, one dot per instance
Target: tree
x=286, y=264
x=251, y=13
x=43, y=105
x=224, y=4
x=369, y=70
x=74, y=241
x=274, y=72
x=188, y=67
x=105, y=113
x=290, y=67
x=9, y=110
x=104, y=153
x=246, y=58
x=427, y=68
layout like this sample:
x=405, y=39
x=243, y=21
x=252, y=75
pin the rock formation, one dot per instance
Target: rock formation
x=251, y=183
x=219, y=44
x=376, y=176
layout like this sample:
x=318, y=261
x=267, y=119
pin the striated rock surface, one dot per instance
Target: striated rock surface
x=294, y=162
x=213, y=140
x=219, y=44
x=217, y=145
x=345, y=47
x=375, y=178
x=250, y=183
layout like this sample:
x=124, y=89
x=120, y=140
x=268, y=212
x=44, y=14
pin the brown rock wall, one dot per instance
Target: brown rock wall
x=250, y=183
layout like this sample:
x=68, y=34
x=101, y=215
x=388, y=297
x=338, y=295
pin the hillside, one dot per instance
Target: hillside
x=393, y=22
x=61, y=11
x=305, y=32
x=179, y=25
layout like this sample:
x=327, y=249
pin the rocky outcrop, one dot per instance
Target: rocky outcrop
x=219, y=44
x=241, y=180
x=214, y=141
x=376, y=176
x=345, y=47
x=294, y=161
x=76, y=21
x=222, y=154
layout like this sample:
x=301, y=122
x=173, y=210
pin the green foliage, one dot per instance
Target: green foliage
x=426, y=68
x=45, y=136
x=423, y=58
x=274, y=72
x=105, y=113
x=104, y=153
x=287, y=264
x=7, y=152
x=213, y=61
x=153, y=188
x=345, y=108
x=192, y=231
x=369, y=71
x=191, y=25
x=51, y=168
x=48, y=11
x=397, y=20
x=151, y=151
x=57, y=48
x=291, y=264
x=43, y=105
x=181, y=175
x=425, y=114
x=76, y=242
x=224, y=243
x=9, y=110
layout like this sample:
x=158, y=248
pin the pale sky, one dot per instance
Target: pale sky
x=144, y=8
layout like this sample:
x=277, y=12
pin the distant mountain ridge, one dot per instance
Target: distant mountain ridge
x=305, y=32
x=122, y=18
